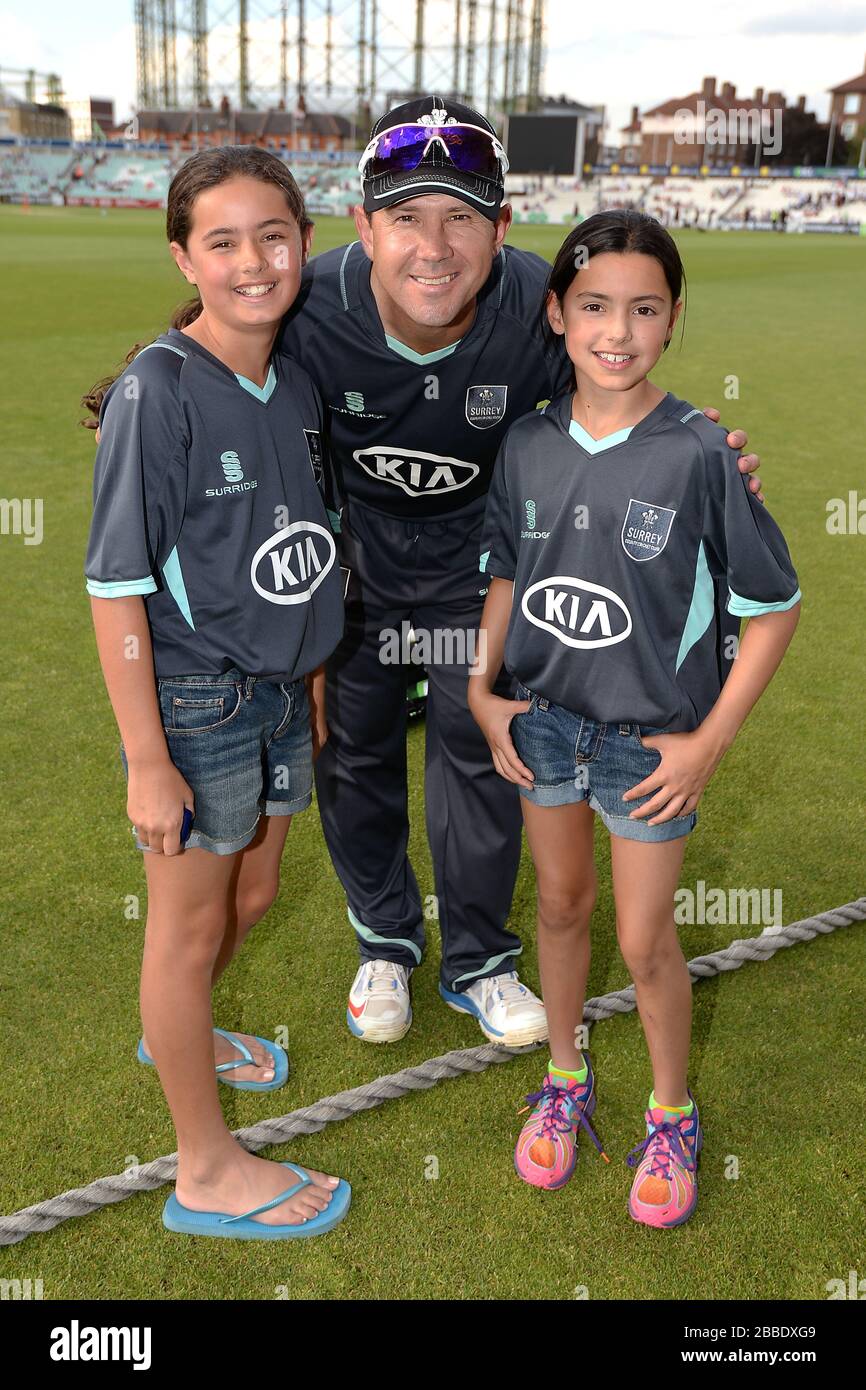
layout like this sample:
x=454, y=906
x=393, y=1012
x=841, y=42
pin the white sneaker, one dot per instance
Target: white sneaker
x=380, y=1009
x=507, y=1011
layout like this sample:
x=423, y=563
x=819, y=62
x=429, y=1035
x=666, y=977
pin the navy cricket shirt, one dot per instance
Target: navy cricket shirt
x=633, y=558
x=209, y=500
x=416, y=435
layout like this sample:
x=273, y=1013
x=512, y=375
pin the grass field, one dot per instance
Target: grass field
x=777, y=1061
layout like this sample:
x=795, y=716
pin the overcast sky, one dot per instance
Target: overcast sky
x=616, y=55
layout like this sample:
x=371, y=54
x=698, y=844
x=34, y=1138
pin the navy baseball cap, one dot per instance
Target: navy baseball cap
x=433, y=145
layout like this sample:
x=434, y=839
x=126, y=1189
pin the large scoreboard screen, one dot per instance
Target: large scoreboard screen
x=541, y=144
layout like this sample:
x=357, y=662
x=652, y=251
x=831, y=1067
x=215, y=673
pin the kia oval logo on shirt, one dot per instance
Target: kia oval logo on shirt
x=576, y=612
x=417, y=473
x=290, y=565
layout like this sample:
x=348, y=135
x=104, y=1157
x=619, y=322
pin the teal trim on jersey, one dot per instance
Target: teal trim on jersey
x=343, y=294
x=751, y=608
x=261, y=393
x=488, y=965
x=421, y=358
x=336, y=524
x=701, y=609
x=504, y=259
x=121, y=588
x=369, y=935
x=173, y=576
x=483, y=561
x=170, y=347
x=597, y=446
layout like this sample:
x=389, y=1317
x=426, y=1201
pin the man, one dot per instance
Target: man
x=425, y=339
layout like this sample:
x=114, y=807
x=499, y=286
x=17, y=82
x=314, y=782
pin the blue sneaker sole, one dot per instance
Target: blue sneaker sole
x=358, y=1032
x=463, y=1005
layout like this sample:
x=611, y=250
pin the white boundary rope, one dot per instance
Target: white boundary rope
x=81, y=1201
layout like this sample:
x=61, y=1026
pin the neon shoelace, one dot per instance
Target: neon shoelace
x=552, y=1100
x=554, y=1118
x=661, y=1145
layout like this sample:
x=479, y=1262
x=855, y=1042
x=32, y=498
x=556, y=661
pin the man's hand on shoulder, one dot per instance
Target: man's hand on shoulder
x=738, y=439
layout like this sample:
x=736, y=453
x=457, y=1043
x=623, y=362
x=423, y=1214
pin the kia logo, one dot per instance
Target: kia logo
x=576, y=612
x=290, y=565
x=417, y=473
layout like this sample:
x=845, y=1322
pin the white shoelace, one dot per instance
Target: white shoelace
x=382, y=973
x=384, y=980
x=509, y=987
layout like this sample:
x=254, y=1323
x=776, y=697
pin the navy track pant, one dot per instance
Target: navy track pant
x=422, y=574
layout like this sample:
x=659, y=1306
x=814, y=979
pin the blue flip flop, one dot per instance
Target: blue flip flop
x=217, y=1223
x=281, y=1063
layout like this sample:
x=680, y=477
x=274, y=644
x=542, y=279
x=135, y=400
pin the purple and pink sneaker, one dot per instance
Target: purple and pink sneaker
x=546, y=1150
x=665, y=1187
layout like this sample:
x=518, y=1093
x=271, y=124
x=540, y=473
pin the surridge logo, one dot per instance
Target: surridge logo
x=231, y=466
x=290, y=565
x=234, y=476
x=530, y=534
x=356, y=405
x=576, y=612
x=418, y=473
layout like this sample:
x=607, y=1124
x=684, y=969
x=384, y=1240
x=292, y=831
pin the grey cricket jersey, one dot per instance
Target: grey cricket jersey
x=416, y=435
x=212, y=498
x=633, y=558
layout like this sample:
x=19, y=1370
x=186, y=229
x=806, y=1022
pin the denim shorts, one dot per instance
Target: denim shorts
x=244, y=746
x=575, y=758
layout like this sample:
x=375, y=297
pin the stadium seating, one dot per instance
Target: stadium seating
x=46, y=173
x=33, y=171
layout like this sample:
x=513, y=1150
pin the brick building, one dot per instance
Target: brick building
x=848, y=106
x=273, y=129
x=712, y=127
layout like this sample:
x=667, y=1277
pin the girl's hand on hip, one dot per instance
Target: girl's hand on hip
x=493, y=715
x=315, y=683
x=155, y=800
x=688, y=762
x=319, y=730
